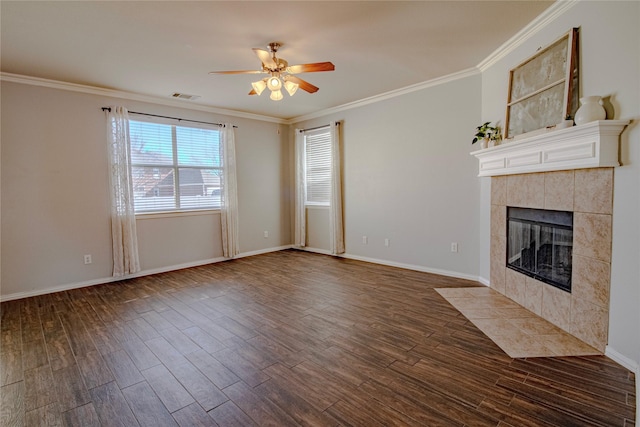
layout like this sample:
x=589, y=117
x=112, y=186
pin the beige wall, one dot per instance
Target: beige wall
x=55, y=204
x=317, y=229
x=408, y=177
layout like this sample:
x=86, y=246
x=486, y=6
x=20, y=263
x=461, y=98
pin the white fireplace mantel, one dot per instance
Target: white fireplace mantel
x=590, y=145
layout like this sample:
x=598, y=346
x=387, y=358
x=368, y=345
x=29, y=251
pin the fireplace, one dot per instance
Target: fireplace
x=568, y=170
x=587, y=195
x=540, y=245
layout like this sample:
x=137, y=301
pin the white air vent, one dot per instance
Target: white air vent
x=185, y=96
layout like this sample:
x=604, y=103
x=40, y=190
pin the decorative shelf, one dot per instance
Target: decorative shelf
x=591, y=145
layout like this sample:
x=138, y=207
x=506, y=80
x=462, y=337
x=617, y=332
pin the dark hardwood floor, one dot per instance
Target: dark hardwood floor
x=284, y=339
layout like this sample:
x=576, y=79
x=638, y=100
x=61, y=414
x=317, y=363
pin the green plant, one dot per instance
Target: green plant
x=488, y=132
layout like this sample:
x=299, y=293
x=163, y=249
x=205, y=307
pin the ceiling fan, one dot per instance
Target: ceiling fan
x=281, y=74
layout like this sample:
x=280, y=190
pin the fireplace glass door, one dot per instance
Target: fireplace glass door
x=539, y=245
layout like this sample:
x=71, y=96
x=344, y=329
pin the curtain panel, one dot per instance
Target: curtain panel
x=229, y=193
x=336, y=224
x=300, y=215
x=123, y=219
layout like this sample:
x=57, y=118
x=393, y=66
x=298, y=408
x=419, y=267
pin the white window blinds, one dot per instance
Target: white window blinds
x=318, y=167
x=174, y=167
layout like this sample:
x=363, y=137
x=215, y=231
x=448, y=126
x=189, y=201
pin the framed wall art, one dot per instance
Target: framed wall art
x=543, y=90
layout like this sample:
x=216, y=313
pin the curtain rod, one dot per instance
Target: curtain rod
x=167, y=117
x=318, y=127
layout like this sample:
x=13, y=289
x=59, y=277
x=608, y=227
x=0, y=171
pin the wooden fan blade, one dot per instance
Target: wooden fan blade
x=253, y=92
x=311, y=68
x=266, y=58
x=237, y=72
x=304, y=85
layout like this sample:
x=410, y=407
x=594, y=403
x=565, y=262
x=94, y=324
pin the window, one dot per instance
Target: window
x=317, y=145
x=174, y=167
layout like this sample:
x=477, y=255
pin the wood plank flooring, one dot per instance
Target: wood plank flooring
x=284, y=339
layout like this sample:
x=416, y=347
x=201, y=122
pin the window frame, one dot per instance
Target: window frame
x=310, y=134
x=176, y=167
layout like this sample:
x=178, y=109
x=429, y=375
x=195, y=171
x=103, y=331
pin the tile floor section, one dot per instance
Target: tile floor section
x=516, y=330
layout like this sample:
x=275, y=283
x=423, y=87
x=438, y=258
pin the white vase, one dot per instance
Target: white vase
x=591, y=109
x=484, y=143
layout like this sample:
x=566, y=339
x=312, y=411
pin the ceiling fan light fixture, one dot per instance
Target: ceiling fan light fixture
x=276, y=95
x=279, y=73
x=274, y=83
x=259, y=86
x=291, y=87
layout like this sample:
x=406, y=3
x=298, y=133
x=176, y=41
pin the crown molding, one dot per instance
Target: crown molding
x=93, y=90
x=387, y=95
x=545, y=18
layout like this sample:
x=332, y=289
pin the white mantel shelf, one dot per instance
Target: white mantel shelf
x=591, y=145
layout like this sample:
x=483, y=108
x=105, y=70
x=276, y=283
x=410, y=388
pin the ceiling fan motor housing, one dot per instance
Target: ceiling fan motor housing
x=274, y=46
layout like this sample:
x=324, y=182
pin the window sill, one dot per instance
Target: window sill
x=176, y=214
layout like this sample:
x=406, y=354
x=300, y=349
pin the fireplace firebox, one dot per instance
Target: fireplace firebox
x=540, y=245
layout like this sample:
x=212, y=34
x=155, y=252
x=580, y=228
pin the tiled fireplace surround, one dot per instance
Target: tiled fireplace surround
x=588, y=193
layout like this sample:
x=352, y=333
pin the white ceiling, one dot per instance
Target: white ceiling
x=157, y=48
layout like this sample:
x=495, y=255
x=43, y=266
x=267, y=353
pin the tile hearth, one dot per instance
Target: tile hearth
x=517, y=331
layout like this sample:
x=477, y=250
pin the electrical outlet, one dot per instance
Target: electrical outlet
x=454, y=247
x=386, y=242
x=87, y=259
x=266, y=234
x=365, y=240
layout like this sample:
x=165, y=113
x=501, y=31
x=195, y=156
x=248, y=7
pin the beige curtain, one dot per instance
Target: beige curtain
x=336, y=224
x=229, y=193
x=123, y=219
x=300, y=216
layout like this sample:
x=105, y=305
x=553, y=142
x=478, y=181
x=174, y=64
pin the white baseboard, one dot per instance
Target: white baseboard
x=314, y=250
x=69, y=286
x=414, y=267
x=263, y=251
x=103, y=280
x=631, y=365
x=623, y=360
x=484, y=281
